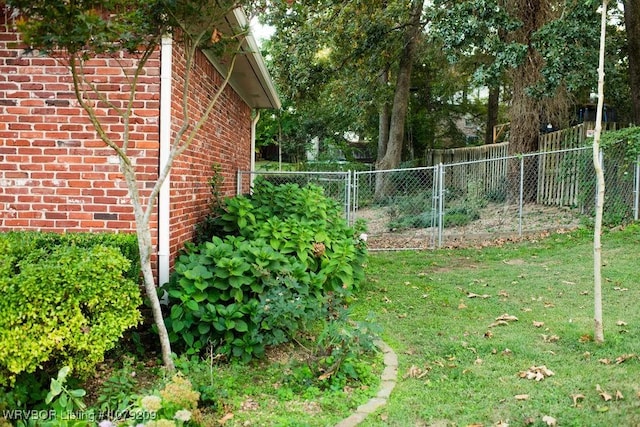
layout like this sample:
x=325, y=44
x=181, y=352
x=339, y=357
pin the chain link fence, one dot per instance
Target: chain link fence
x=470, y=203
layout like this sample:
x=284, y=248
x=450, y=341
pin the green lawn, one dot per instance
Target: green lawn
x=439, y=309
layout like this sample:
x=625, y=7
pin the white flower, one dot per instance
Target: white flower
x=183, y=415
x=363, y=237
x=151, y=403
x=106, y=423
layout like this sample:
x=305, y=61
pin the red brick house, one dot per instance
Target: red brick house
x=57, y=175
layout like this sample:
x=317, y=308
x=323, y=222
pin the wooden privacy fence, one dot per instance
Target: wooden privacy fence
x=558, y=169
x=466, y=154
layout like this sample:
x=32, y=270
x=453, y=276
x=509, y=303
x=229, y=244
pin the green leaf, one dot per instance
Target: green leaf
x=237, y=294
x=192, y=305
x=56, y=388
x=78, y=393
x=62, y=373
x=178, y=325
x=241, y=326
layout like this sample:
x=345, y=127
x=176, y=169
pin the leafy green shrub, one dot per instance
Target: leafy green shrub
x=66, y=305
x=287, y=250
x=460, y=215
x=17, y=245
x=422, y=220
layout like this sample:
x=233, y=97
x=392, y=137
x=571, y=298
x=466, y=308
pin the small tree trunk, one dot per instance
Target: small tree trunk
x=145, y=248
x=598, y=334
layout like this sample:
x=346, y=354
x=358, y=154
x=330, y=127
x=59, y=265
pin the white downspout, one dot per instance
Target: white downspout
x=164, y=205
x=254, y=123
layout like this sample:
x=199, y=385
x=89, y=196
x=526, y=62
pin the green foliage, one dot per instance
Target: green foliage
x=339, y=350
x=62, y=305
x=288, y=248
x=621, y=149
x=205, y=229
x=90, y=25
x=61, y=403
x=18, y=245
x=116, y=393
x=626, y=140
x=460, y=215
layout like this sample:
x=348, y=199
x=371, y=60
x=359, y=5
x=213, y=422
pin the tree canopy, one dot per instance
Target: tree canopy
x=340, y=62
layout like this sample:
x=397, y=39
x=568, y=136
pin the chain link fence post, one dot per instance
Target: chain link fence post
x=440, y=203
x=636, y=189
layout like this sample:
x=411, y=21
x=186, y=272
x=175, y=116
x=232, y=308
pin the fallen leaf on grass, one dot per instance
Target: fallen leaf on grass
x=618, y=288
x=624, y=358
x=222, y=421
x=584, y=293
x=537, y=373
x=461, y=306
x=576, y=398
x=415, y=372
x=605, y=361
x=501, y=424
x=522, y=397
x=566, y=282
x=549, y=420
x=472, y=295
x=503, y=294
x=605, y=396
x=488, y=334
x=507, y=352
x=549, y=305
x=538, y=324
x=507, y=318
x=550, y=338
x=586, y=338
x=619, y=395
x=498, y=323
x=621, y=323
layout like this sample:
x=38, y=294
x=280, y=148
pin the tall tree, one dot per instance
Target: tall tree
x=349, y=61
x=393, y=153
x=129, y=31
x=632, y=26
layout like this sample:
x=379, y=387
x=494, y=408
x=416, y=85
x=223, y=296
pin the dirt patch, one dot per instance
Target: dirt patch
x=497, y=224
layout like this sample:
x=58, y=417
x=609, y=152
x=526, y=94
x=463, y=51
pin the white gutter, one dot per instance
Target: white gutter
x=165, y=146
x=254, y=123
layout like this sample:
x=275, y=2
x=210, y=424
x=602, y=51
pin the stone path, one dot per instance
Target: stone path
x=387, y=383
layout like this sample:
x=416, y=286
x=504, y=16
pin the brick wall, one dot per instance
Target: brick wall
x=57, y=175
x=224, y=140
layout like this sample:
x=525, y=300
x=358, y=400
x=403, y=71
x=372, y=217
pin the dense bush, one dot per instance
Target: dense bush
x=19, y=244
x=61, y=304
x=287, y=256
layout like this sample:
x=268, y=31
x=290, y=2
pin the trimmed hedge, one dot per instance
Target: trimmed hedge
x=66, y=300
x=19, y=244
